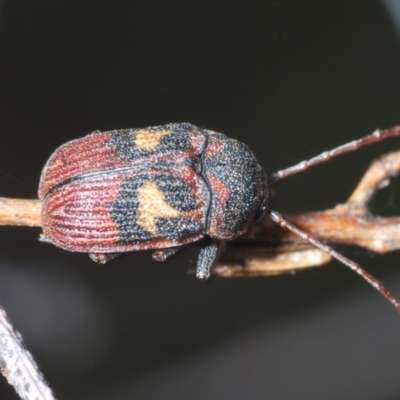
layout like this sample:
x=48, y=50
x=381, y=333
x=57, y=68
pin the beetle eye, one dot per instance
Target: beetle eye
x=261, y=211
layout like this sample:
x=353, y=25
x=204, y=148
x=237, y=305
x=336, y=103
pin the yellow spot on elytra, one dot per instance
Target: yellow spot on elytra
x=148, y=140
x=152, y=205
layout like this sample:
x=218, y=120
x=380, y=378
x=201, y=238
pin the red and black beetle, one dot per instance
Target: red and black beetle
x=162, y=187
x=156, y=188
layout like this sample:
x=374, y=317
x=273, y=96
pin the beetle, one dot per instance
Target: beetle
x=156, y=188
x=162, y=187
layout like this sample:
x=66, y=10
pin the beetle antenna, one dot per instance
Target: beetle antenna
x=276, y=217
x=375, y=137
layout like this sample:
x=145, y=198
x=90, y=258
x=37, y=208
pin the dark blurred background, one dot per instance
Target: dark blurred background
x=290, y=79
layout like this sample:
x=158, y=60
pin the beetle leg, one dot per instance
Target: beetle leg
x=208, y=257
x=43, y=238
x=163, y=254
x=102, y=258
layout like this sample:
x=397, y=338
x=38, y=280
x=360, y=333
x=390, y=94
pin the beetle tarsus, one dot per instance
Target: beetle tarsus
x=208, y=257
x=102, y=258
x=163, y=254
x=43, y=238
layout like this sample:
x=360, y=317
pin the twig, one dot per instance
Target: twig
x=18, y=366
x=20, y=212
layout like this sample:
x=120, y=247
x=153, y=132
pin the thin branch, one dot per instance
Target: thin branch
x=18, y=366
x=20, y=212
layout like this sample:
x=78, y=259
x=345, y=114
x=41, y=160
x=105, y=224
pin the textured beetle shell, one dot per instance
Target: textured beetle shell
x=149, y=188
x=237, y=185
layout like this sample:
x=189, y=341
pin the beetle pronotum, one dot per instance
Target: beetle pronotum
x=159, y=188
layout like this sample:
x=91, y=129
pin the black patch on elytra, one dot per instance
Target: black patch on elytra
x=177, y=228
x=124, y=141
x=177, y=193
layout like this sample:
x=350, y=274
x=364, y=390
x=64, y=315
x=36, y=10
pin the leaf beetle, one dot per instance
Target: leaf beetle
x=157, y=189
